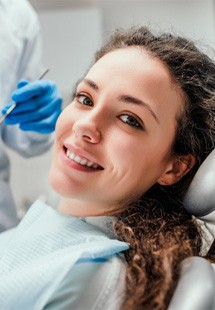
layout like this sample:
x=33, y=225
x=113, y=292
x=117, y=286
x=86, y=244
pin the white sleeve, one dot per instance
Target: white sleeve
x=20, y=42
x=31, y=61
x=24, y=60
x=92, y=286
x=27, y=144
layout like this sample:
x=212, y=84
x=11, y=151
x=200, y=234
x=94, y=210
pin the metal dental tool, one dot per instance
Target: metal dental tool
x=14, y=104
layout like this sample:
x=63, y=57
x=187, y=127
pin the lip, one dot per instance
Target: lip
x=83, y=154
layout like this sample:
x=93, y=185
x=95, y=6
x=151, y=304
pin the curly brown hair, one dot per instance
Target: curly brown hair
x=160, y=231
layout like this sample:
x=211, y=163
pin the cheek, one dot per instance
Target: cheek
x=138, y=159
x=64, y=122
x=125, y=150
x=53, y=172
x=57, y=177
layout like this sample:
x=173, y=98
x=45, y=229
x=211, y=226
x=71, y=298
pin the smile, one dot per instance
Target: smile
x=82, y=161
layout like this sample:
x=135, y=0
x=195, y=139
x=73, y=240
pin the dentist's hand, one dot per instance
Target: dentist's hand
x=38, y=106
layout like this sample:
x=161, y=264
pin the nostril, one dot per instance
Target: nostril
x=86, y=137
x=87, y=132
x=93, y=137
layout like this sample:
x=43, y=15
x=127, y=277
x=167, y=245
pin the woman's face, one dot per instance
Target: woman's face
x=114, y=140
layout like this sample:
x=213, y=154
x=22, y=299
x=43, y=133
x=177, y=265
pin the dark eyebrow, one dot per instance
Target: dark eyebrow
x=132, y=100
x=125, y=98
x=91, y=84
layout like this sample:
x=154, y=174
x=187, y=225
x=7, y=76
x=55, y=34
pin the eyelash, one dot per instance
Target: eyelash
x=136, y=123
x=133, y=122
x=77, y=97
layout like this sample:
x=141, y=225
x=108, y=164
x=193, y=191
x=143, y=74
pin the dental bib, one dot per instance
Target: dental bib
x=44, y=248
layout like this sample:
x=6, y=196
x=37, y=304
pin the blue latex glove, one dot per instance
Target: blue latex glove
x=38, y=106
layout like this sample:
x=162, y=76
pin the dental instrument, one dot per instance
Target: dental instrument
x=2, y=118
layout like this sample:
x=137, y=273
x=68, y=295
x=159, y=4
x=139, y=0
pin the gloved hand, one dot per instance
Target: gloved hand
x=38, y=106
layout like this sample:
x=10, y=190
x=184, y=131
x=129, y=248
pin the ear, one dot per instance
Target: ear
x=176, y=169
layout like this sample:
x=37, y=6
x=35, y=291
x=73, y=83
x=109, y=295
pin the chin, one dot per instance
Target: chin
x=56, y=182
x=52, y=181
x=60, y=184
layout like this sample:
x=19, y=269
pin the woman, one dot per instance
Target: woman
x=127, y=148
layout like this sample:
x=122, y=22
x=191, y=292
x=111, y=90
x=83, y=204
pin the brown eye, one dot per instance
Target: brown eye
x=82, y=99
x=131, y=121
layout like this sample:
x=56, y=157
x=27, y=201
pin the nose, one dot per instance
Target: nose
x=87, y=130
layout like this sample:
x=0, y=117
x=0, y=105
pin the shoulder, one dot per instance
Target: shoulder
x=92, y=285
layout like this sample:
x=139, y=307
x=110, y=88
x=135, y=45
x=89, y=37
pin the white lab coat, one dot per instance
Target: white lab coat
x=20, y=57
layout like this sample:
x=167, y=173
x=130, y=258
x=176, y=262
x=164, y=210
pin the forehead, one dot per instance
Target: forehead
x=134, y=71
x=131, y=63
x=135, y=66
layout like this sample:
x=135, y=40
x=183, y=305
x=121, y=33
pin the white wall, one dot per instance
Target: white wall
x=70, y=38
x=191, y=18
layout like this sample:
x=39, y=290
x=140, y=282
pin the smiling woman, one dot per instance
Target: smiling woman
x=126, y=149
x=121, y=107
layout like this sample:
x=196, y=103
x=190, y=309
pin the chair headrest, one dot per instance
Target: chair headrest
x=200, y=197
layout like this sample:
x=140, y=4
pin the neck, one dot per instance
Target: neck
x=79, y=208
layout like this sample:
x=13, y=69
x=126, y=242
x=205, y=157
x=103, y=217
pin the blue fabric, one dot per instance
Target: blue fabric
x=44, y=248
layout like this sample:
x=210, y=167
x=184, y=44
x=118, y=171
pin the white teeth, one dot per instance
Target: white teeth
x=71, y=156
x=89, y=164
x=77, y=159
x=83, y=162
x=80, y=160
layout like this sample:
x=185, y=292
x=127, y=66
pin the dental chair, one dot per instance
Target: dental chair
x=196, y=286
